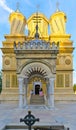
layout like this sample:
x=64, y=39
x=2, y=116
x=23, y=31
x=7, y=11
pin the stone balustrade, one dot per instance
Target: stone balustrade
x=36, y=45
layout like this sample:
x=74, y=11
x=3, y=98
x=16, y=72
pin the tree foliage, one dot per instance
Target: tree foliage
x=74, y=87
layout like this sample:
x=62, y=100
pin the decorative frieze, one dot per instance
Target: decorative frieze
x=37, y=45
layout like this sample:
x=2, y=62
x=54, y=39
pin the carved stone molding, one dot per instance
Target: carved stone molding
x=67, y=61
x=7, y=62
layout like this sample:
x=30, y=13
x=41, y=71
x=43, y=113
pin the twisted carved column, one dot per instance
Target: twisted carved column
x=25, y=90
x=51, y=92
x=20, y=80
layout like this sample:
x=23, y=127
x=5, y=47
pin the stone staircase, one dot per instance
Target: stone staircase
x=9, y=95
x=36, y=99
x=39, y=127
x=64, y=94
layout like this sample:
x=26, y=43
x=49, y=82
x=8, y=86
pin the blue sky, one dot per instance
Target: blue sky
x=47, y=7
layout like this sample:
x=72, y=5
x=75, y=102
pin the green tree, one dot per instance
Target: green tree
x=0, y=81
x=74, y=87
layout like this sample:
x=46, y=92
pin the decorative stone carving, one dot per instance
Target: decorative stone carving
x=67, y=61
x=53, y=66
x=62, y=60
x=53, y=69
x=37, y=45
x=18, y=63
x=57, y=61
x=7, y=62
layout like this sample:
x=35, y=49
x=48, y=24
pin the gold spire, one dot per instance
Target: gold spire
x=37, y=34
x=38, y=6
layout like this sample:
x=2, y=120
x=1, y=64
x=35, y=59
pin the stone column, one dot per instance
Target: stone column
x=51, y=93
x=25, y=91
x=20, y=80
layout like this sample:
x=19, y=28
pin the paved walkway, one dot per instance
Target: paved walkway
x=63, y=113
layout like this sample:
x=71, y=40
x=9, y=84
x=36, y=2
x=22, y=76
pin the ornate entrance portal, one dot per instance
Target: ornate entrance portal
x=36, y=58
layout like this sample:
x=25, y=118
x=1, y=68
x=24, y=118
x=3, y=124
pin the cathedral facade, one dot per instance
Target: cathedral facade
x=37, y=60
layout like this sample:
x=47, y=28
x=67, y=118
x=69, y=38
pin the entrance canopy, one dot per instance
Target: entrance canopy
x=36, y=57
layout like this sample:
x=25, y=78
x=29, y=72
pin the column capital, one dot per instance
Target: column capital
x=51, y=78
x=20, y=78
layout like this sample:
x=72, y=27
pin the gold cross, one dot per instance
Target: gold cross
x=38, y=6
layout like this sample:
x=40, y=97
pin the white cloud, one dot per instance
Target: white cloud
x=4, y=6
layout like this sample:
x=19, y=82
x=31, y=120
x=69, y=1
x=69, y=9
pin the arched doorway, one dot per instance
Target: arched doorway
x=38, y=72
x=37, y=85
x=37, y=88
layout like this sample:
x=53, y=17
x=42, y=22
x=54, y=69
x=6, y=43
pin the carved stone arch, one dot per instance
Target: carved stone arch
x=36, y=68
x=39, y=67
x=34, y=61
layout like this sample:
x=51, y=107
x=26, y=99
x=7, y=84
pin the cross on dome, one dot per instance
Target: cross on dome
x=37, y=34
x=57, y=6
x=17, y=6
x=37, y=6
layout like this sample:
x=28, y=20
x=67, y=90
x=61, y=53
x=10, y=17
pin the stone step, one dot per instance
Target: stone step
x=22, y=127
x=15, y=129
x=63, y=90
x=35, y=102
x=10, y=90
x=36, y=99
x=36, y=96
x=64, y=97
x=9, y=97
